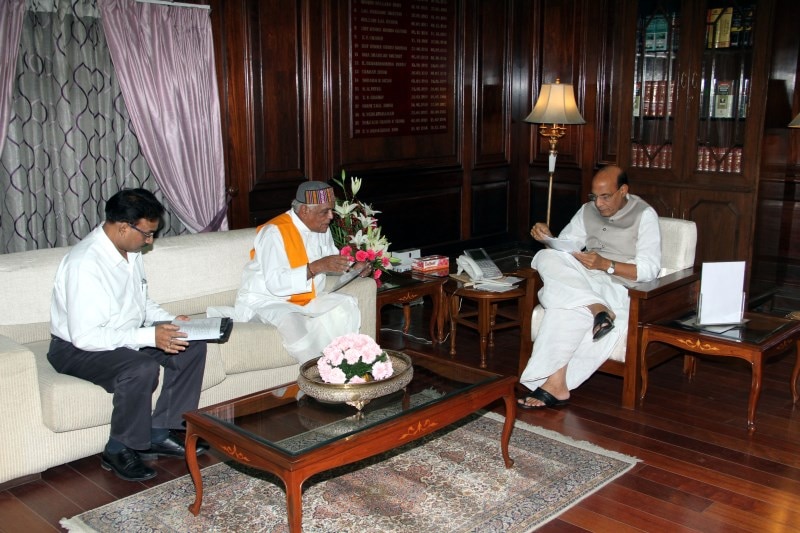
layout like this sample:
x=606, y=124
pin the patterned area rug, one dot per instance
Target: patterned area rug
x=450, y=481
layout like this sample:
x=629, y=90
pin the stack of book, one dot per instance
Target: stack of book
x=729, y=27
x=719, y=159
x=651, y=155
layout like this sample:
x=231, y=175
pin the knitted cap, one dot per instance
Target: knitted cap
x=315, y=192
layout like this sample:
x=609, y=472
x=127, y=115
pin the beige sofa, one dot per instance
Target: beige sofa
x=47, y=419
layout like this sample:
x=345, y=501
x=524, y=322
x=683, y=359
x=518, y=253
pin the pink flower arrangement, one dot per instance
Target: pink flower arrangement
x=354, y=358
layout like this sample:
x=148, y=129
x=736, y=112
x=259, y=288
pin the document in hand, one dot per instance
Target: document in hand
x=563, y=245
x=206, y=329
x=347, y=277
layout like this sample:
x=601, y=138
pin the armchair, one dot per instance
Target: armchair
x=670, y=295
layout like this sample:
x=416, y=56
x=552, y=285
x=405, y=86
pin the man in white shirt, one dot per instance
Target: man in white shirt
x=582, y=295
x=106, y=330
x=284, y=284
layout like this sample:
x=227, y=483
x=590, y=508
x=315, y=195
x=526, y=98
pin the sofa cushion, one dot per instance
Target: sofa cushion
x=254, y=346
x=215, y=262
x=70, y=403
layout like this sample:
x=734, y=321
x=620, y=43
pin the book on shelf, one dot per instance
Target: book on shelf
x=718, y=27
x=737, y=26
x=655, y=34
x=723, y=99
x=744, y=98
x=746, y=36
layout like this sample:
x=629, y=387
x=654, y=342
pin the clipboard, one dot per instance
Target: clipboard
x=347, y=277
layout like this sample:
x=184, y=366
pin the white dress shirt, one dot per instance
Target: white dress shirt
x=100, y=299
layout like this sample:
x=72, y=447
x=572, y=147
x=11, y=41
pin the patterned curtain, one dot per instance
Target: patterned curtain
x=70, y=143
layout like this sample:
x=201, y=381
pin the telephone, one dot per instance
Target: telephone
x=478, y=265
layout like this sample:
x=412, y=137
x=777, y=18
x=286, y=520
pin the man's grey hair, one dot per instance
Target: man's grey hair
x=296, y=206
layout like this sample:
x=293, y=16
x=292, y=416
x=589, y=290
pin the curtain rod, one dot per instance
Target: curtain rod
x=175, y=4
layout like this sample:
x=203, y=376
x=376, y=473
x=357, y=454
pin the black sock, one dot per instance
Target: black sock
x=158, y=435
x=114, y=446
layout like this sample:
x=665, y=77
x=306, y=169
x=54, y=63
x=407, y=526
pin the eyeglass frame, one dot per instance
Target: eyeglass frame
x=145, y=234
x=603, y=197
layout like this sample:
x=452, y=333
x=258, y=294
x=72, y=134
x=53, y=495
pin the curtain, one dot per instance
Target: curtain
x=70, y=145
x=10, y=26
x=164, y=56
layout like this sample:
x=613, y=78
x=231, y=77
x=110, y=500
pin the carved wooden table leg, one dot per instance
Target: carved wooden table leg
x=194, y=469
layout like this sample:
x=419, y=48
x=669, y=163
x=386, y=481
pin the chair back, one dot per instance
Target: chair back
x=678, y=243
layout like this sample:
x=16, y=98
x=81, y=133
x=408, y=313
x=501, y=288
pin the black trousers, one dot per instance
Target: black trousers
x=132, y=377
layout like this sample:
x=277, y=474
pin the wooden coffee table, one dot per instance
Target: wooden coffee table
x=761, y=337
x=294, y=437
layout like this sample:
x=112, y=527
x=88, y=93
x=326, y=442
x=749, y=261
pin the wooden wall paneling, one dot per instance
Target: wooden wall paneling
x=776, y=246
x=420, y=208
x=723, y=219
x=231, y=26
x=523, y=21
x=490, y=201
x=610, y=38
x=557, y=45
x=493, y=65
x=279, y=106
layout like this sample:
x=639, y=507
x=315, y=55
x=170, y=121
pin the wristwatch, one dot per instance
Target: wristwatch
x=612, y=268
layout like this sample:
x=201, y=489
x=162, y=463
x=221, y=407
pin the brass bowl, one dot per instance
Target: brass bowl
x=356, y=394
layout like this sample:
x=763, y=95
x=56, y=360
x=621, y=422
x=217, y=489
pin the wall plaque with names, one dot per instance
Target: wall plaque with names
x=401, y=66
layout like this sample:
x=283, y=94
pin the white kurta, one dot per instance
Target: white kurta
x=565, y=335
x=268, y=281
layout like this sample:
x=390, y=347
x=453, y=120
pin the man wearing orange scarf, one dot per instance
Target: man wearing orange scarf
x=284, y=282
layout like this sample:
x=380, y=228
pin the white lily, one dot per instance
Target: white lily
x=345, y=208
x=355, y=185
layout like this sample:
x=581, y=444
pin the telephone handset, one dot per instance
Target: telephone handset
x=478, y=265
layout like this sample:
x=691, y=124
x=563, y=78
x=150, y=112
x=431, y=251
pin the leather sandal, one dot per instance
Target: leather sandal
x=543, y=396
x=602, y=325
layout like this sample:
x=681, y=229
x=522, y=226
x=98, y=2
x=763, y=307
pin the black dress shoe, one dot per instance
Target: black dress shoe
x=172, y=446
x=127, y=465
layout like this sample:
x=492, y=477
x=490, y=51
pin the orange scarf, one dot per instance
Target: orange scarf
x=295, y=250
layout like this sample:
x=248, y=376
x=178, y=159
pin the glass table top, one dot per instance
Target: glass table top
x=755, y=329
x=396, y=280
x=293, y=423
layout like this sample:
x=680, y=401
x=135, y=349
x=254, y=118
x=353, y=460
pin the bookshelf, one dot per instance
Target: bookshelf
x=692, y=95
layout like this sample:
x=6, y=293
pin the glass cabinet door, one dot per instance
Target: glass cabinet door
x=656, y=83
x=723, y=86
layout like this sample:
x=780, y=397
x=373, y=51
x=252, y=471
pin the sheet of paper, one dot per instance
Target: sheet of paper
x=721, y=293
x=563, y=245
x=201, y=328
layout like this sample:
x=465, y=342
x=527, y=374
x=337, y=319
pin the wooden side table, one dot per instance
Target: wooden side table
x=403, y=288
x=484, y=320
x=762, y=337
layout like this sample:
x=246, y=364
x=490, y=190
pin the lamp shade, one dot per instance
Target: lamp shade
x=556, y=105
x=795, y=123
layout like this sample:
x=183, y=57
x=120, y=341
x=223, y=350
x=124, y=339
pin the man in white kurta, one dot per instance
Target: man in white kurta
x=586, y=304
x=285, y=284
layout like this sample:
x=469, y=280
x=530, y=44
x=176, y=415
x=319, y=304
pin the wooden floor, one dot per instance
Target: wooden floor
x=699, y=469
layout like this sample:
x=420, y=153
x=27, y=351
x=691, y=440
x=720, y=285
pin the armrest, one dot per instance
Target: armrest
x=20, y=410
x=669, y=296
x=364, y=290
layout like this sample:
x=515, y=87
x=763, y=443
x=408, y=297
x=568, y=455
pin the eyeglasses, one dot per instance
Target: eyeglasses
x=147, y=235
x=602, y=197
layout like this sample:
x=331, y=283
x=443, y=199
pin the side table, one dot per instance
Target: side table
x=405, y=287
x=484, y=320
x=761, y=337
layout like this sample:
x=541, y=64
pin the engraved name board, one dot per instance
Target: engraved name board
x=401, y=66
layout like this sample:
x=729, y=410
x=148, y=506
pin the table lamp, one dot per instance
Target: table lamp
x=554, y=109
